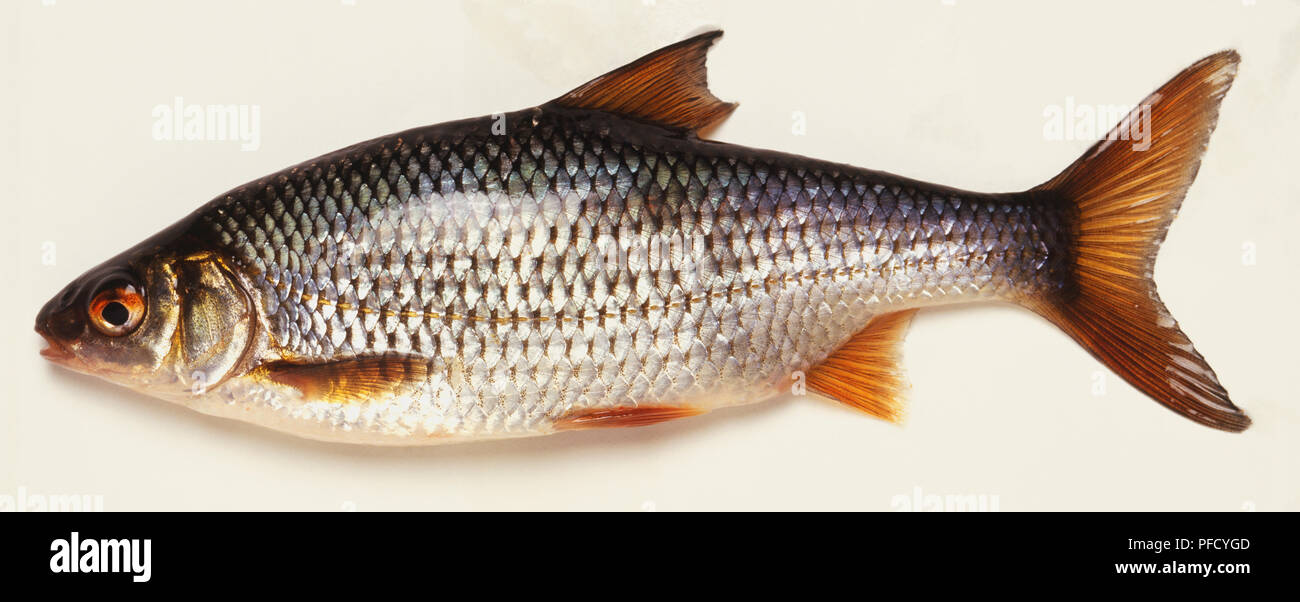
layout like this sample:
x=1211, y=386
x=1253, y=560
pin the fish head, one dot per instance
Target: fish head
x=164, y=322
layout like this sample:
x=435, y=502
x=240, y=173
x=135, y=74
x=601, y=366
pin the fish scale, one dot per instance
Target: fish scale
x=603, y=272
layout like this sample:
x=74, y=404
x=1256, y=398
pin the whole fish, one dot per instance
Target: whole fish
x=591, y=262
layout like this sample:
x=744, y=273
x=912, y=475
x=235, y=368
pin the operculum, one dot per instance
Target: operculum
x=216, y=321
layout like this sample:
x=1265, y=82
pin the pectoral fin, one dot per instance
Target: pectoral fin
x=864, y=373
x=352, y=380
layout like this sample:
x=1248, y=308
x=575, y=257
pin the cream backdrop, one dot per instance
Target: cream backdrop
x=960, y=92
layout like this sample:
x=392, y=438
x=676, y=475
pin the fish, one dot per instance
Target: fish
x=593, y=262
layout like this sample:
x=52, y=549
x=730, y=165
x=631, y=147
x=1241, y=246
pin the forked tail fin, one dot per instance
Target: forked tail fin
x=1122, y=195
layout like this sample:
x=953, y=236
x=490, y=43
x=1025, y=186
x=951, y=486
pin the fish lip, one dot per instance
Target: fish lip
x=58, y=344
x=55, y=351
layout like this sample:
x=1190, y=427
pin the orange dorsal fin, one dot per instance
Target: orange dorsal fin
x=668, y=87
x=864, y=373
x=622, y=416
x=351, y=380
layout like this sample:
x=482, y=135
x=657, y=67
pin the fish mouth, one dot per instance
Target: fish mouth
x=54, y=350
x=55, y=324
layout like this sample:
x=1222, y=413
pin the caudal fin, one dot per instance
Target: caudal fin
x=1122, y=194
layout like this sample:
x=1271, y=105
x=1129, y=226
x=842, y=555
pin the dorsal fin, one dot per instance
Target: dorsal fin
x=668, y=87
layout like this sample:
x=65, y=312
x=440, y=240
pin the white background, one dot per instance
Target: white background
x=950, y=92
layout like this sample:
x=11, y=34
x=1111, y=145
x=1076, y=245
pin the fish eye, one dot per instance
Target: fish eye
x=117, y=309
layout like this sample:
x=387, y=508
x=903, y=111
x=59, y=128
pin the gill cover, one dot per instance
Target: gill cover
x=216, y=321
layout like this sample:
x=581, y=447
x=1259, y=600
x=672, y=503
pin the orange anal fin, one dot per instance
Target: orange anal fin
x=352, y=380
x=864, y=373
x=668, y=87
x=622, y=416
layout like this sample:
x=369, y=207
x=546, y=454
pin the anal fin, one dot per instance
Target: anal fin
x=864, y=373
x=351, y=380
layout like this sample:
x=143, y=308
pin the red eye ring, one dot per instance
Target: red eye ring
x=117, y=310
